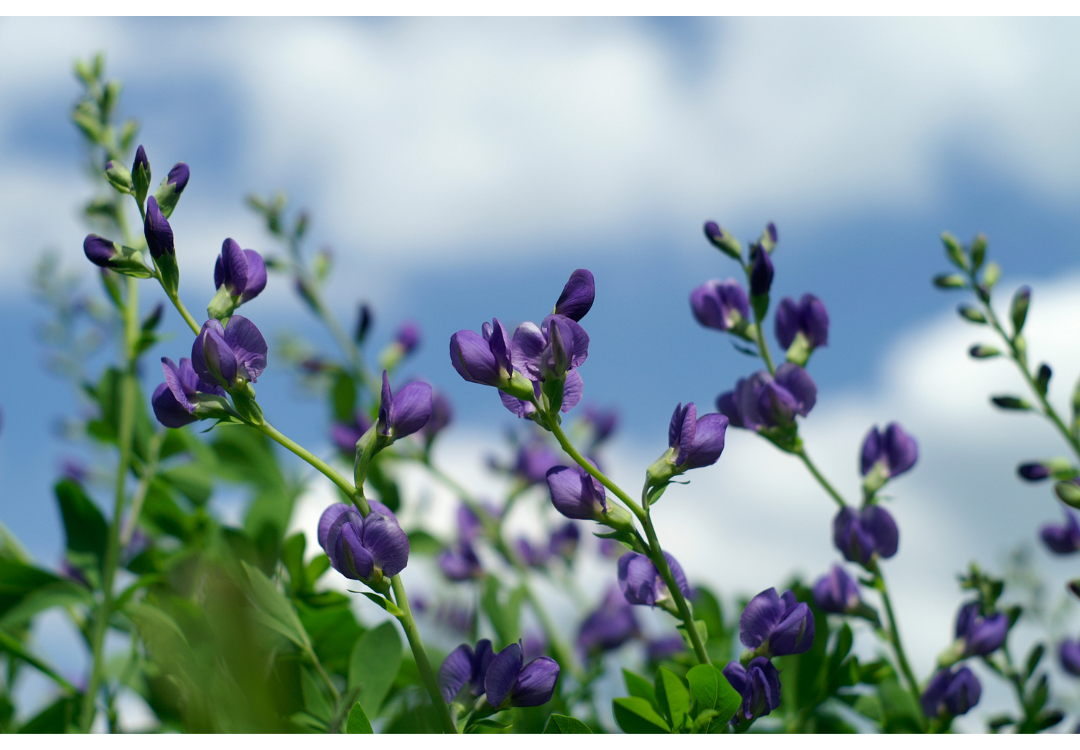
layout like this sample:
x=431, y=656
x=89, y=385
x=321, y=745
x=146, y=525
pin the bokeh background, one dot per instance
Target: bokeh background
x=461, y=168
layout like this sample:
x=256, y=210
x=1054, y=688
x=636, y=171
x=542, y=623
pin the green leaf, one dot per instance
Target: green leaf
x=711, y=691
x=559, y=724
x=423, y=543
x=18, y=579
x=192, y=480
x=639, y=687
x=1034, y=656
x=318, y=565
x=358, y=721
x=314, y=701
x=84, y=525
x=673, y=697
x=56, y=719
x=59, y=594
x=489, y=726
x=637, y=716
x=17, y=648
x=277, y=608
x=702, y=629
x=375, y=662
x=385, y=603
x=1013, y=403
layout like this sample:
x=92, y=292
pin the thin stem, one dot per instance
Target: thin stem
x=894, y=634
x=408, y=624
x=192, y=324
x=801, y=453
x=656, y=554
x=326, y=678
x=15, y=646
x=149, y=471
x=763, y=346
x=581, y=461
x=327, y=470
x=112, y=551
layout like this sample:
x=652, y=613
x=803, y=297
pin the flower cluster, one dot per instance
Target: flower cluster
x=504, y=677
x=363, y=548
x=763, y=401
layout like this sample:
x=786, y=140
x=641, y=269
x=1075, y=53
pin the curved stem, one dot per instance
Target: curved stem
x=801, y=453
x=326, y=469
x=763, y=346
x=192, y=324
x=408, y=624
x=584, y=463
x=894, y=635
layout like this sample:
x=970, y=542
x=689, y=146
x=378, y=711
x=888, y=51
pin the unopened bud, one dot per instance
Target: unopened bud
x=723, y=240
x=968, y=312
x=953, y=250
x=982, y=351
x=119, y=177
x=949, y=281
x=1019, y=310
x=1068, y=493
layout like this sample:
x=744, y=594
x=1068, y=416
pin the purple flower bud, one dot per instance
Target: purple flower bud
x=859, y=535
x=776, y=625
x=981, y=635
x=220, y=355
x=564, y=541
x=405, y=413
x=641, y=582
x=758, y=683
x=174, y=400
x=577, y=296
x=609, y=626
x=241, y=272
x=837, y=592
x=462, y=667
x=895, y=451
x=807, y=317
x=178, y=177
x=482, y=359
x=347, y=435
x=1069, y=654
x=699, y=441
x=550, y=349
x=156, y=229
x=441, y=414
x=364, y=318
x=141, y=161
x=511, y=682
x=535, y=556
x=460, y=563
x=576, y=494
x=1033, y=472
x=363, y=549
x=408, y=337
x=762, y=401
x=99, y=250
x=720, y=304
x=664, y=648
x=1062, y=540
x=761, y=272
x=951, y=693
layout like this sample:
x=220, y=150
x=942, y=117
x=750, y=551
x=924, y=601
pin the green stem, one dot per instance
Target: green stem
x=13, y=645
x=149, y=471
x=112, y=551
x=327, y=470
x=801, y=453
x=408, y=624
x=763, y=346
x=656, y=554
x=894, y=634
x=584, y=463
x=192, y=324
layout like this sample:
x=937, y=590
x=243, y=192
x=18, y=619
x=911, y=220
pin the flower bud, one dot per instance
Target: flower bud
x=761, y=272
x=971, y=313
x=982, y=351
x=953, y=250
x=1018, y=312
x=168, y=193
x=774, y=625
x=950, y=281
x=1068, y=492
x=119, y=177
x=140, y=175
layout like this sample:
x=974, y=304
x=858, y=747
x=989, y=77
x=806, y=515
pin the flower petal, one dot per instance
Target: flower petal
x=502, y=674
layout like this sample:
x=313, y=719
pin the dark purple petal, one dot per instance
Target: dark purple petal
x=408, y=336
x=763, y=688
x=1062, y=540
x=175, y=382
x=575, y=493
x=736, y=675
x=871, y=451
x=357, y=561
x=797, y=382
x=687, y=432
x=141, y=161
x=564, y=543
x=761, y=274
x=794, y=633
x=609, y=626
x=534, y=459
x=776, y=405
x=387, y=543
x=934, y=692
x=1069, y=654
x=168, y=410
x=638, y=579
x=705, y=304
x=256, y=276
x=455, y=671
x=675, y=427
x=233, y=267
x=411, y=408
x=815, y=320
x=99, y=250
x=527, y=349
x=725, y=404
x=577, y=296
x=1033, y=472
x=327, y=519
x=573, y=388
x=880, y=524
x=837, y=592
x=787, y=321
x=962, y=693
x=178, y=177
x=212, y=358
x=471, y=356
x=156, y=229
x=760, y=616
x=536, y=683
x=470, y=527
x=460, y=563
x=248, y=345
x=981, y=635
x=502, y=674
x=899, y=448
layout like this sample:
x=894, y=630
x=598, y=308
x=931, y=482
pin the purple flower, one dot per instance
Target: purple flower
x=894, y=451
x=483, y=359
x=609, y=626
x=156, y=229
x=141, y=161
x=951, y=693
x=1033, y=472
x=363, y=549
x=641, y=582
x=837, y=592
x=408, y=337
x=720, y=304
x=534, y=459
x=577, y=296
x=761, y=270
x=241, y=272
x=564, y=541
x=1062, y=540
x=470, y=527
x=441, y=414
x=551, y=349
x=535, y=556
x=174, y=401
x=1069, y=654
x=406, y=412
x=699, y=442
x=860, y=535
x=603, y=423
x=664, y=648
x=807, y=316
x=762, y=401
x=347, y=435
x=775, y=625
x=511, y=682
x=576, y=494
x=99, y=250
x=460, y=563
x=222, y=354
x=758, y=683
x=178, y=177
x=981, y=635
x=611, y=548
x=462, y=667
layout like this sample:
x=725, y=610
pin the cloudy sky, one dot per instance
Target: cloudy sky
x=461, y=169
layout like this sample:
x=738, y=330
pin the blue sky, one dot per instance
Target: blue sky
x=462, y=168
